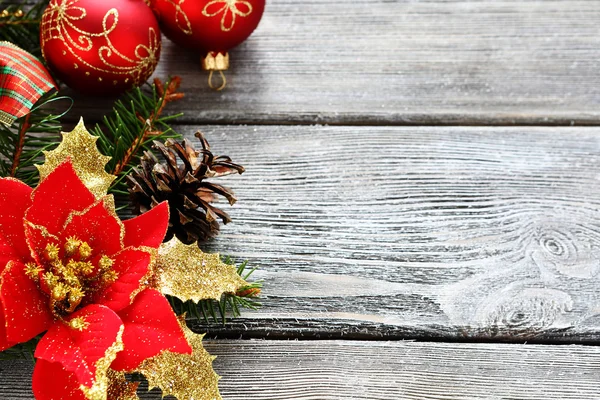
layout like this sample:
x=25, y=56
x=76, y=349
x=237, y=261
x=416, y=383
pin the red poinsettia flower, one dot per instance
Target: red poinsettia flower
x=70, y=267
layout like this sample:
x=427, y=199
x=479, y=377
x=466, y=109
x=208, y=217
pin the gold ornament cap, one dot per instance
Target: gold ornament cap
x=215, y=61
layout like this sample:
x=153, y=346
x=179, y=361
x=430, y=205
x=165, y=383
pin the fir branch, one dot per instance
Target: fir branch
x=149, y=127
x=22, y=144
x=230, y=303
x=20, y=25
x=133, y=124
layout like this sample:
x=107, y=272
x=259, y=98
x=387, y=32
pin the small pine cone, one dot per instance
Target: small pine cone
x=183, y=184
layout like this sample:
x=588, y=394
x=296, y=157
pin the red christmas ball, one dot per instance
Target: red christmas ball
x=100, y=47
x=208, y=25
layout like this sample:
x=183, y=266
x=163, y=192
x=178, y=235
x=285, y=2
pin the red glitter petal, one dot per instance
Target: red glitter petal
x=131, y=266
x=4, y=343
x=38, y=239
x=78, y=351
x=99, y=228
x=151, y=327
x=25, y=309
x=148, y=229
x=56, y=197
x=15, y=199
x=52, y=382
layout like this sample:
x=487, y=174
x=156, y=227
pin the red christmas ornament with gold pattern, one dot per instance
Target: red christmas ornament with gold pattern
x=100, y=47
x=211, y=27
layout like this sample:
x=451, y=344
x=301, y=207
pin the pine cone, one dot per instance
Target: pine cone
x=183, y=184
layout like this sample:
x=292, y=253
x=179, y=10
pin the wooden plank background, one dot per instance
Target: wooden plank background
x=328, y=370
x=437, y=232
x=404, y=62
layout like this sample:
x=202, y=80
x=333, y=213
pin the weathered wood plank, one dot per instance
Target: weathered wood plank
x=404, y=62
x=324, y=370
x=430, y=232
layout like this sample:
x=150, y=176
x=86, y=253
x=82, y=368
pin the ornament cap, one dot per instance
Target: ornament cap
x=215, y=61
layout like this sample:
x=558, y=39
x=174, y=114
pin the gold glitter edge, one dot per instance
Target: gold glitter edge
x=179, y=374
x=43, y=230
x=148, y=278
x=99, y=390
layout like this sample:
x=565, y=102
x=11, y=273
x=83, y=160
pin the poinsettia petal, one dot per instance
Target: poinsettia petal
x=148, y=229
x=4, y=343
x=85, y=351
x=57, y=196
x=131, y=265
x=151, y=327
x=15, y=199
x=97, y=227
x=25, y=309
x=37, y=240
x=52, y=382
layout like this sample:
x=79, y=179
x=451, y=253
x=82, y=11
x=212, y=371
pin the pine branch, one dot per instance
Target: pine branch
x=22, y=144
x=131, y=127
x=230, y=303
x=20, y=25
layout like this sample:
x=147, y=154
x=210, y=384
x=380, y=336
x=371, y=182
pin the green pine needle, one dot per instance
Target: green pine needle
x=22, y=143
x=130, y=128
x=230, y=304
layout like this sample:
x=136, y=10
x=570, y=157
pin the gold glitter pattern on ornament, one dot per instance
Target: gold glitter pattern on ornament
x=60, y=21
x=185, y=26
x=228, y=7
x=188, y=273
x=185, y=376
x=101, y=384
x=119, y=388
x=88, y=162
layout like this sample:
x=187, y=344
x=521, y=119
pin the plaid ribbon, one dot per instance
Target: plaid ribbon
x=23, y=80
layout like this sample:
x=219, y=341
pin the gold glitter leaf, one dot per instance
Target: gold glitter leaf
x=190, y=274
x=185, y=376
x=80, y=146
x=120, y=388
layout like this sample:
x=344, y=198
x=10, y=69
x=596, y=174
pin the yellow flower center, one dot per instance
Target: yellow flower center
x=68, y=278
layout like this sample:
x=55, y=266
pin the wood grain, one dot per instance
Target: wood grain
x=323, y=370
x=429, y=232
x=379, y=62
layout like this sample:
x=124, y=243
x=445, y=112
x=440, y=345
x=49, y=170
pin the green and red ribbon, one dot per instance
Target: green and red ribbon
x=23, y=80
